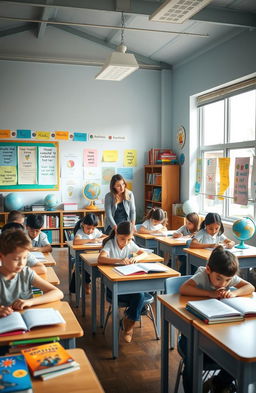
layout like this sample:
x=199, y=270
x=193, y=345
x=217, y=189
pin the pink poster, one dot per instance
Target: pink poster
x=241, y=180
x=90, y=157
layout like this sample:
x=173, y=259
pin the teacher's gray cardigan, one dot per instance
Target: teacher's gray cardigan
x=110, y=208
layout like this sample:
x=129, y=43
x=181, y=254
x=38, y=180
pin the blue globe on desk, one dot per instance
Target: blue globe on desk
x=51, y=202
x=243, y=229
x=13, y=201
x=91, y=191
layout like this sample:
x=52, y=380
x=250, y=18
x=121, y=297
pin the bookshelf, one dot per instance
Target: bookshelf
x=162, y=188
x=58, y=221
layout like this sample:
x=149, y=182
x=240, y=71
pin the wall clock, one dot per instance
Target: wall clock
x=181, y=136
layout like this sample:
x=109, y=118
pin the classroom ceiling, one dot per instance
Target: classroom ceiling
x=155, y=44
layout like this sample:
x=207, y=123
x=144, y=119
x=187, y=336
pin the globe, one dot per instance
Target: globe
x=190, y=206
x=13, y=201
x=91, y=191
x=243, y=229
x=51, y=202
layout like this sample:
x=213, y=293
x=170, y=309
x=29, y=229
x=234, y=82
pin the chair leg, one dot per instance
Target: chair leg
x=152, y=317
x=107, y=317
x=179, y=373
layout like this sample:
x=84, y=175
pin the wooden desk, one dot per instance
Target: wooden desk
x=145, y=240
x=49, y=260
x=174, y=313
x=67, y=332
x=171, y=246
x=120, y=284
x=50, y=276
x=199, y=257
x=80, y=381
x=231, y=345
x=74, y=252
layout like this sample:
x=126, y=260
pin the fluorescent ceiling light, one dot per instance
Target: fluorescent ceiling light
x=178, y=11
x=118, y=66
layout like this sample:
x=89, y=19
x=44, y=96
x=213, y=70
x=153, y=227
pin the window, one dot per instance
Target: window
x=227, y=128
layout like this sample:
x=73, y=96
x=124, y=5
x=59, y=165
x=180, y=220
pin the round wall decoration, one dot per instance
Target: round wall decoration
x=181, y=137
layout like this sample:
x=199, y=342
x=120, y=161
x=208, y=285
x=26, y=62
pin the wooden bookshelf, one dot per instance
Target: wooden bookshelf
x=162, y=188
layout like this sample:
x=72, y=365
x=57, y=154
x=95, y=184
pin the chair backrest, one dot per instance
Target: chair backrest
x=173, y=284
x=188, y=242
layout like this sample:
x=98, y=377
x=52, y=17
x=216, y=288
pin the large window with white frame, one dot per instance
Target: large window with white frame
x=227, y=128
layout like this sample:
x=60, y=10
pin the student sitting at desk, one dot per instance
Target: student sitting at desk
x=117, y=250
x=32, y=262
x=86, y=230
x=215, y=281
x=16, y=216
x=155, y=222
x=39, y=239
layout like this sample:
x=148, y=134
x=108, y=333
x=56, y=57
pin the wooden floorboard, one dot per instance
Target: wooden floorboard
x=137, y=368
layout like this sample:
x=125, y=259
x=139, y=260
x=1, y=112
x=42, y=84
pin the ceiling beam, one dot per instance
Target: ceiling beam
x=16, y=30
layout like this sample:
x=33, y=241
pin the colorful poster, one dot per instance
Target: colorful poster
x=47, y=166
x=130, y=158
x=127, y=173
x=72, y=166
x=90, y=157
x=5, y=134
x=224, y=164
x=241, y=180
x=110, y=156
x=43, y=135
x=8, y=175
x=8, y=156
x=199, y=170
x=253, y=181
x=92, y=173
x=27, y=164
x=107, y=173
x=24, y=134
x=210, y=178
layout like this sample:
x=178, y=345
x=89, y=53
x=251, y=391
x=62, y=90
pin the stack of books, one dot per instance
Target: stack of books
x=70, y=220
x=70, y=206
x=19, y=345
x=14, y=375
x=161, y=156
x=49, y=361
x=37, y=207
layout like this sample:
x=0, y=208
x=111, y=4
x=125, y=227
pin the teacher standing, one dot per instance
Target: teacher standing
x=119, y=204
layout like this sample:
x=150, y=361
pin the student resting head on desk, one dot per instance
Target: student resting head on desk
x=32, y=262
x=117, y=249
x=17, y=279
x=215, y=281
x=39, y=239
x=155, y=221
x=211, y=233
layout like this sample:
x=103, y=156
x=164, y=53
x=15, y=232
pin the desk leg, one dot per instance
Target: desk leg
x=158, y=315
x=83, y=292
x=93, y=300
x=242, y=381
x=164, y=355
x=68, y=343
x=102, y=303
x=115, y=322
x=69, y=266
x=78, y=281
x=198, y=358
x=188, y=265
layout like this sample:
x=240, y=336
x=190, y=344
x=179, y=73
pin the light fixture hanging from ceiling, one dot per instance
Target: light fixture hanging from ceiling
x=119, y=64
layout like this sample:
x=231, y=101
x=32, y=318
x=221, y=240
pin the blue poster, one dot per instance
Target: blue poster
x=79, y=136
x=8, y=156
x=26, y=134
x=127, y=173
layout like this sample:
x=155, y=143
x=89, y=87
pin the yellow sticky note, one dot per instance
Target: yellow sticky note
x=8, y=175
x=110, y=156
x=130, y=158
x=5, y=133
x=43, y=135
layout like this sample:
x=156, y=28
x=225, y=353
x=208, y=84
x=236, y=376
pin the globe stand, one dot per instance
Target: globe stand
x=91, y=206
x=241, y=245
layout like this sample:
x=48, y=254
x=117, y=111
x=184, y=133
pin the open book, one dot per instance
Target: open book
x=38, y=255
x=224, y=310
x=30, y=319
x=141, y=268
x=164, y=233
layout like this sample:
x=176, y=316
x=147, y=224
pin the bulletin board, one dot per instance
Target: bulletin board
x=29, y=166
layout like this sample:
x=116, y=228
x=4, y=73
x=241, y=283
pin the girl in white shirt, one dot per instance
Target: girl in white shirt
x=155, y=221
x=86, y=230
x=118, y=249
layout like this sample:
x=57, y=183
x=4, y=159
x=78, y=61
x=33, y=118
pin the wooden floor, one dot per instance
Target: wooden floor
x=137, y=368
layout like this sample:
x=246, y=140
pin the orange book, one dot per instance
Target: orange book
x=47, y=358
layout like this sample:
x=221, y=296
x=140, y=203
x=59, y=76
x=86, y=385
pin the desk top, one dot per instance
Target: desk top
x=177, y=303
x=170, y=241
x=113, y=275
x=80, y=381
x=70, y=329
x=49, y=260
x=92, y=259
x=50, y=276
x=144, y=235
x=83, y=247
x=205, y=254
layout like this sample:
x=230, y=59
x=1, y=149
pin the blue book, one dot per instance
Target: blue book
x=14, y=375
x=48, y=234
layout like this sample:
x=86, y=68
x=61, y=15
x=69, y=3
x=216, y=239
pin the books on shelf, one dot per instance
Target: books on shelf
x=70, y=206
x=52, y=235
x=47, y=359
x=37, y=207
x=51, y=221
x=157, y=194
x=29, y=319
x=223, y=310
x=70, y=220
x=141, y=268
x=161, y=156
x=14, y=374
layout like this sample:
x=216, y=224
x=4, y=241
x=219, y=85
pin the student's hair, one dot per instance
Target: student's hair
x=12, y=226
x=113, y=181
x=212, y=218
x=90, y=219
x=223, y=262
x=15, y=215
x=124, y=228
x=157, y=214
x=35, y=221
x=194, y=219
x=11, y=239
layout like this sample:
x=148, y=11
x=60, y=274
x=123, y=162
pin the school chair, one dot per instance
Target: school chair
x=149, y=299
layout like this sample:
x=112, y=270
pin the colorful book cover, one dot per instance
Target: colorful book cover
x=14, y=375
x=46, y=358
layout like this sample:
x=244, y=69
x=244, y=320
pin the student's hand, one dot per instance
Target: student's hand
x=227, y=294
x=176, y=235
x=20, y=304
x=134, y=260
x=228, y=245
x=215, y=294
x=126, y=261
x=4, y=311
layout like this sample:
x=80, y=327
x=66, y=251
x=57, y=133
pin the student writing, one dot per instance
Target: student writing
x=40, y=242
x=117, y=249
x=211, y=233
x=215, y=281
x=155, y=221
x=86, y=230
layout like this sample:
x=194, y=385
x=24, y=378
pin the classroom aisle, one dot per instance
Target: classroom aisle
x=138, y=367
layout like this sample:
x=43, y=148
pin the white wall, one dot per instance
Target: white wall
x=66, y=97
